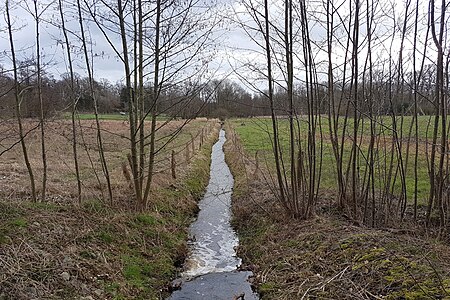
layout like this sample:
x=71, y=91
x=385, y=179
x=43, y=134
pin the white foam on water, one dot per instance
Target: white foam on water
x=212, y=248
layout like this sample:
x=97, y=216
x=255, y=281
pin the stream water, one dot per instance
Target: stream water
x=211, y=268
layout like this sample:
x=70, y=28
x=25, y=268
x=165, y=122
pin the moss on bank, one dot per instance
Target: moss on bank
x=93, y=251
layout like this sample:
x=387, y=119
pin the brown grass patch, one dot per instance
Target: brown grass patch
x=60, y=250
x=61, y=174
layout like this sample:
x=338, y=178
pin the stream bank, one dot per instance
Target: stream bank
x=327, y=257
x=211, y=267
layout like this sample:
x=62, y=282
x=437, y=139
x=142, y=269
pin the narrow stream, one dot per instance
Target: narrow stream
x=211, y=268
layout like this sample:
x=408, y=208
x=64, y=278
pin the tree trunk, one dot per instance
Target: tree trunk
x=17, y=102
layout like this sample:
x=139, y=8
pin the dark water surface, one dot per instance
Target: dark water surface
x=210, y=270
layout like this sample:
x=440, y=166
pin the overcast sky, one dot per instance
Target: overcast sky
x=106, y=63
x=234, y=51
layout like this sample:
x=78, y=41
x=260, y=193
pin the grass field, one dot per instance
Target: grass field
x=61, y=175
x=60, y=250
x=255, y=135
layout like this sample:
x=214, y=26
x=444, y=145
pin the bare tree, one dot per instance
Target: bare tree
x=36, y=16
x=17, y=95
x=155, y=96
x=94, y=98
x=437, y=179
x=169, y=41
x=73, y=98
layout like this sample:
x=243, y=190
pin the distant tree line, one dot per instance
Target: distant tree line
x=55, y=94
x=216, y=99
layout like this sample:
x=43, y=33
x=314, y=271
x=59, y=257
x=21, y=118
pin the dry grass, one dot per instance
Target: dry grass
x=60, y=250
x=61, y=173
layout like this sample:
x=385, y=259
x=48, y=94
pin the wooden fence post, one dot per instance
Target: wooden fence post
x=173, y=165
x=201, y=139
x=187, y=154
x=256, y=164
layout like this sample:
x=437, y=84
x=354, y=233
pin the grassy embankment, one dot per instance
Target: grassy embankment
x=60, y=250
x=326, y=257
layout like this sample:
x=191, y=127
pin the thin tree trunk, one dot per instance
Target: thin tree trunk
x=41, y=104
x=416, y=120
x=332, y=114
x=131, y=115
x=371, y=181
x=93, y=96
x=73, y=101
x=290, y=82
x=17, y=106
x=435, y=178
x=155, y=96
x=355, y=188
x=272, y=107
x=135, y=100
x=141, y=95
x=441, y=109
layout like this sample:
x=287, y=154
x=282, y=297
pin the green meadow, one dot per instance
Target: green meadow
x=256, y=135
